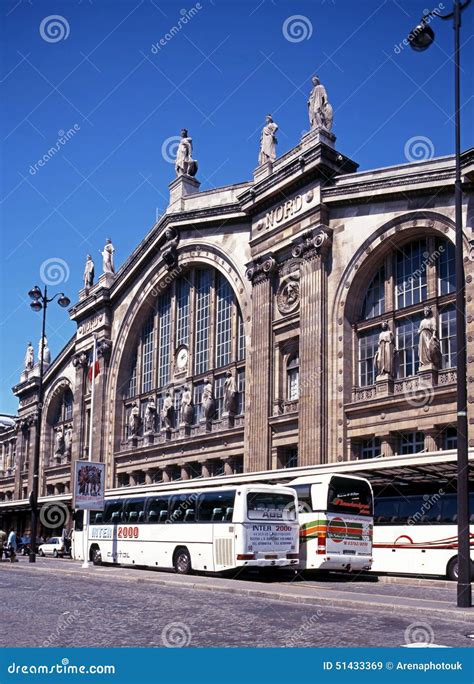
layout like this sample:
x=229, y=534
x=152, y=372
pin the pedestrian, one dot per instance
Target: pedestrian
x=3, y=539
x=12, y=546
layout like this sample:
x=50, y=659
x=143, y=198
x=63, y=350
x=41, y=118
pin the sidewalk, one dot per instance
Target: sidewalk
x=307, y=593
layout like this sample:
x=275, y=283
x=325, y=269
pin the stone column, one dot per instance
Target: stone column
x=80, y=440
x=257, y=436
x=205, y=468
x=312, y=405
x=432, y=439
x=388, y=446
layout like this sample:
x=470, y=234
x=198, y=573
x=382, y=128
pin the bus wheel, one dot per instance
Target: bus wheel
x=182, y=561
x=452, y=569
x=96, y=556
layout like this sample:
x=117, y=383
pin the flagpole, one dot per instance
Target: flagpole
x=85, y=526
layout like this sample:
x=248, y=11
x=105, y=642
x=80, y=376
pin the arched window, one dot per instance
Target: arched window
x=374, y=301
x=292, y=377
x=414, y=275
x=64, y=408
x=194, y=332
x=59, y=434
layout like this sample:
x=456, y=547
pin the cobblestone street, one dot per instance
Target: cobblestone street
x=56, y=604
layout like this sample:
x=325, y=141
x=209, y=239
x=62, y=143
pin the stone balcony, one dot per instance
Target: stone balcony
x=406, y=386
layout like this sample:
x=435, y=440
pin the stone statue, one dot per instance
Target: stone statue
x=230, y=394
x=60, y=443
x=185, y=164
x=168, y=251
x=134, y=421
x=385, y=354
x=207, y=401
x=429, y=348
x=44, y=352
x=68, y=441
x=319, y=110
x=167, y=412
x=268, y=141
x=187, y=406
x=108, y=257
x=29, y=357
x=150, y=416
x=89, y=272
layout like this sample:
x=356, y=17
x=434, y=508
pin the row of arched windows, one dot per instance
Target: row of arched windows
x=194, y=332
x=413, y=275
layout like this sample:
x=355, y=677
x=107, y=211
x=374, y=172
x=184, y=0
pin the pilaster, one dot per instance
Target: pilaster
x=257, y=438
x=314, y=250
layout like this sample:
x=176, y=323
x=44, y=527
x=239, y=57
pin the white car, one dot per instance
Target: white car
x=53, y=547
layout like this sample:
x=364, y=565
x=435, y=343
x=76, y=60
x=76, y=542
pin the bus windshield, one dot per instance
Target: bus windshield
x=347, y=495
x=270, y=506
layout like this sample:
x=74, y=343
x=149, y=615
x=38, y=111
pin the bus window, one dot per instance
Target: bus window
x=133, y=511
x=304, y=497
x=180, y=506
x=450, y=510
x=387, y=510
x=349, y=496
x=216, y=506
x=78, y=517
x=96, y=517
x=113, y=511
x=270, y=506
x=157, y=509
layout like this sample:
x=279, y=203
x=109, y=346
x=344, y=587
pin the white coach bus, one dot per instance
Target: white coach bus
x=416, y=531
x=336, y=521
x=210, y=529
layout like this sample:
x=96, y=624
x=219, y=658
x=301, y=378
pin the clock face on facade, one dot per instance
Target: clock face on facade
x=182, y=358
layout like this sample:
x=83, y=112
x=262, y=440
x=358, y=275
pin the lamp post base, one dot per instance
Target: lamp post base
x=32, y=557
x=464, y=595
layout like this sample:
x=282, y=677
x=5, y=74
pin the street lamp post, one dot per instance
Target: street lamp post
x=420, y=39
x=40, y=302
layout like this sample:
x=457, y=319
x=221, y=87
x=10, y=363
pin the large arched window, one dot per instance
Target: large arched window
x=194, y=332
x=414, y=275
x=59, y=428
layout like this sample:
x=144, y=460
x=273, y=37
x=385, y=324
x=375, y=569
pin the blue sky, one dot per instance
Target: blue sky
x=97, y=73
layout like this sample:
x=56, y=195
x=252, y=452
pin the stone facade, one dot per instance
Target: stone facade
x=284, y=282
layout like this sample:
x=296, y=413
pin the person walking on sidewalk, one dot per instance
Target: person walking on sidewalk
x=3, y=539
x=12, y=546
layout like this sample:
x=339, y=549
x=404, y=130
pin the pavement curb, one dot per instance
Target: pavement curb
x=292, y=595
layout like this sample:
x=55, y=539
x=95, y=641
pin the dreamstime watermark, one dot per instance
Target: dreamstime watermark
x=163, y=285
x=54, y=28
x=176, y=635
x=429, y=258
x=64, y=667
x=54, y=515
x=64, y=623
x=177, y=514
x=169, y=148
x=421, y=395
x=420, y=633
x=309, y=623
x=428, y=16
x=297, y=28
x=54, y=271
x=186, y=16
x=419, y=148
x=64, y=137
x=429, y=500
x=289, y=512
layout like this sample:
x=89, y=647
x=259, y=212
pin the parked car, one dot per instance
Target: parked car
x=52, y=547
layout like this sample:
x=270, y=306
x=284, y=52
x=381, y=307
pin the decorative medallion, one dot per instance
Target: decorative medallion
x=288, y=295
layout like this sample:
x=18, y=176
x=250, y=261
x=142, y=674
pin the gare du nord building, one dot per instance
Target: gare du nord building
x=284, y=281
